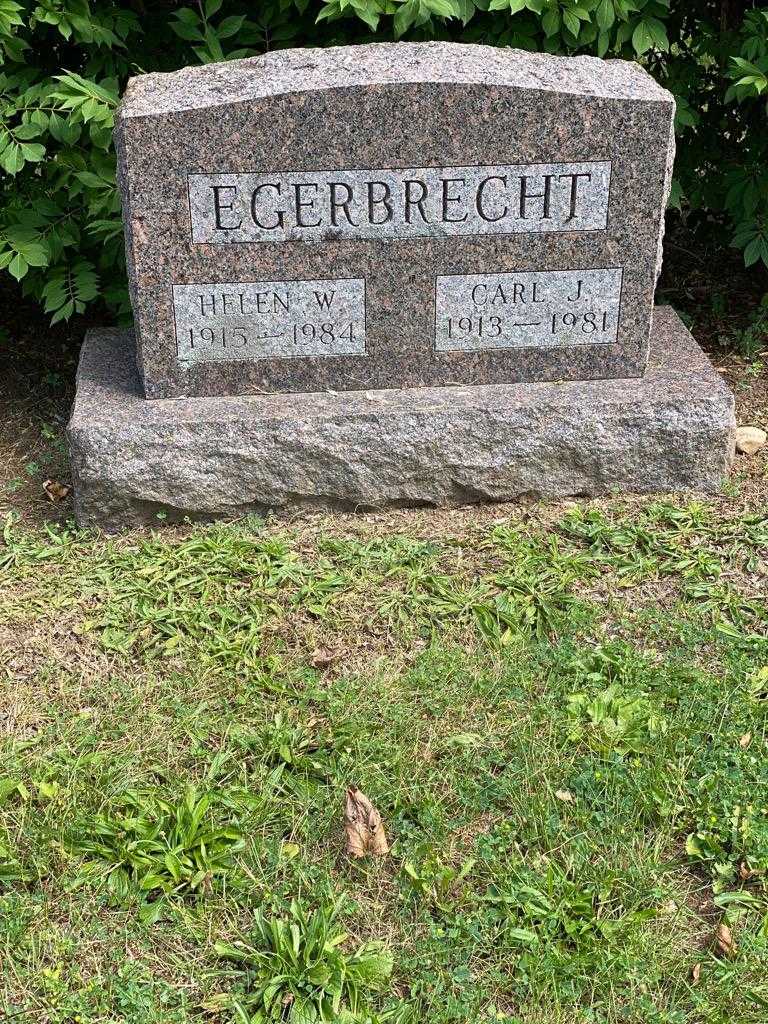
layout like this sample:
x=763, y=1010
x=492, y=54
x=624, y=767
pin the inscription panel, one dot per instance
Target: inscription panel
x=314, y=206
x=546, y=309
x=269, y=319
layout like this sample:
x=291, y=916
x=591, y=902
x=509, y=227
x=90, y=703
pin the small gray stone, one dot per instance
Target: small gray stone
x=418, y=169
x=671, y=430
x=749, y=440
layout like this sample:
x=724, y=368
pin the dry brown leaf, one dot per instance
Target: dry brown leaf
x=322, y=657
x=745, y=872
x=724, y=940
x=695, y=973
x=363, y=826
x=56, y=491
x=745, y=740
x=565, y=795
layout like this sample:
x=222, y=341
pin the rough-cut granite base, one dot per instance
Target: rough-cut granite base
x=215, y=457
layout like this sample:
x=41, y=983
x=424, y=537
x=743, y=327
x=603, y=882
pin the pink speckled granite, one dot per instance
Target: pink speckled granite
x=424, y=105
x=209, y=458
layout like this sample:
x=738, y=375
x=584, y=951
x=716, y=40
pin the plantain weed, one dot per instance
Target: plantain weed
x=615, y=720
x=11, y=869
x=288, y=742
x=616, y=662
x=163, y=848
x=294, y=968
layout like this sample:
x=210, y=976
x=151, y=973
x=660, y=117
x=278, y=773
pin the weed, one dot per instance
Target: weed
x=559, y=911
x=433, y=882
x=163, y=848
x=283, y=741
x=293, y=968
x=615, y=720
x=752, y=341
x=729, y=805
x=11, y=870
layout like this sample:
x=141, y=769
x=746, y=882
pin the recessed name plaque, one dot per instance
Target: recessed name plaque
x=527, y=310
x=398, y=202
x=265, y=319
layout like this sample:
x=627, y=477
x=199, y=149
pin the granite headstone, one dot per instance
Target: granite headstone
x=392, y=216
x=448, y=253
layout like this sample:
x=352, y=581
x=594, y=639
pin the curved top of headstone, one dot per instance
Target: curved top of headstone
x=343, y=67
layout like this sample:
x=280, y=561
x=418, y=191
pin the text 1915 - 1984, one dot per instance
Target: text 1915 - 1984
x=269, y=319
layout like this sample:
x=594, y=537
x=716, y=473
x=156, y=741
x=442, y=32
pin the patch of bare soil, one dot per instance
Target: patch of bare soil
x=37, y=374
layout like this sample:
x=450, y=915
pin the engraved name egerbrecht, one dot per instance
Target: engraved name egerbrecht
x=398, y=203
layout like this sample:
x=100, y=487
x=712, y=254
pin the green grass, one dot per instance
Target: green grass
x=563, y=725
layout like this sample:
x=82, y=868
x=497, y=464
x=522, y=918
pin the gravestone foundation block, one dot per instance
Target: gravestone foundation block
x=216, y=457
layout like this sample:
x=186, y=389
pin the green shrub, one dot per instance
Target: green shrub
x=64, y=63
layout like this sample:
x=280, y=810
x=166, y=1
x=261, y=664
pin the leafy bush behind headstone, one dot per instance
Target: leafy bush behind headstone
x=65, y=62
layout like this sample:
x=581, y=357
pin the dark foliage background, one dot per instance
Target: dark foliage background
x=66, y=61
